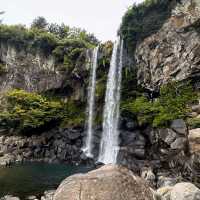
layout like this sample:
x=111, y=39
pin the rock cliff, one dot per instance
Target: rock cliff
x=173, y=52
x=37, y=72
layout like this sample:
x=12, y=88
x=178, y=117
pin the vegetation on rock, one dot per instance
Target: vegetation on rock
x=173, y=103
x=25, y=111
x=144, y=19
x=64, y=43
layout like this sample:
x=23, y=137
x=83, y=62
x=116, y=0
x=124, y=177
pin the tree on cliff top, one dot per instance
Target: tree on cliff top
x=39, y=23
x=1, y=13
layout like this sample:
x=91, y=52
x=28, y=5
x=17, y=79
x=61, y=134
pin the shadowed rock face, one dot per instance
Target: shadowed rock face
x=107, y=183
x=34, y=73
x=173, y=53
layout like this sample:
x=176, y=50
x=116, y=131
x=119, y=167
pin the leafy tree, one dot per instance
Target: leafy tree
x=141, y=20
x=1, y=13
x=26, y=111
x=39, y=23
x=173, y=103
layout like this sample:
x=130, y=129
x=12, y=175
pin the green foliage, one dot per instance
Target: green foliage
x=39, y=23
x=173, y=103
x=73, y=114
x=2, y=68
x=29, y=110
x=144, y=19
x=193, y=123
x=140, y=107
x=1, y=13
x=59, y=40
x=25, y=111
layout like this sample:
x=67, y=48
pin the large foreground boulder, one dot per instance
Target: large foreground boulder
x=181, y=191
x=185, y=191
x=107, y=183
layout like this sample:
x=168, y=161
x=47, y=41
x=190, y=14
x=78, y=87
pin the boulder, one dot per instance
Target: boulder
x=166, y=181
x=107, y=183
x=185, y=191
x=179, y=126
x=48, y=195
x=9, y=197
x=164, y=192
x=196, y=108
x=7, y=159
x=178, y=144
x=194, y=140
x=149, y=176
x=167, y=135
x=73, y=134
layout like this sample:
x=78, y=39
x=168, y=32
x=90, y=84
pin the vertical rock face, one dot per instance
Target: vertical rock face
x=173, y=53
x=36, y=72
x=27, y=71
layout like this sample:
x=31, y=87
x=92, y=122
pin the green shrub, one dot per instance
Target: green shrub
x=72, y=44
x=193, y=123
x=3, y=69
x=144, y=19
x=25, y=111
x=173, y=103
x=29, y=110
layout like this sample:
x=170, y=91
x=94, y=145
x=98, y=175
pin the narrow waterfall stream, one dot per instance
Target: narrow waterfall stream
x=109, y=143
x=91, y=104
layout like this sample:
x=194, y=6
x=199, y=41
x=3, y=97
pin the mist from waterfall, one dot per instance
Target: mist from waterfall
x=91, y=104
x=109, y=147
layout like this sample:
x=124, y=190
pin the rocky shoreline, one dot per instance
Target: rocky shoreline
x=58, y=145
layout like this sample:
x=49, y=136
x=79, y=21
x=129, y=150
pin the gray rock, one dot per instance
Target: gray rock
x=167, y=135
x=32, y=197
x=9, y=197
x=196, y=108
x=185, y=191
x=48, y=195
x=149, y=176
x=7, y=159
x=72, y=135
x=164, y=193
x=179, y=144
x=175, y=54
x=166, y=181
x=179, y=126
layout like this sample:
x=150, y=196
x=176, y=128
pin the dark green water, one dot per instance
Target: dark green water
x=34, y=178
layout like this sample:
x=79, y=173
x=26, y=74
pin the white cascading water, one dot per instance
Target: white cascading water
x=109, y=143
x=91, y=104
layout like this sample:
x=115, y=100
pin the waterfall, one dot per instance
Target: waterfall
x=91, y=104
x=109, y=143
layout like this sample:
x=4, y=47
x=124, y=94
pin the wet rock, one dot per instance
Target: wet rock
x=73, y=134
x=32, y=197
x=178, y=144
x=48, y=195
x=9, y=197
x=7, y=160
x=167, y=135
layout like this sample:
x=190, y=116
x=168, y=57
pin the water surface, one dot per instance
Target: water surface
x=34, y=178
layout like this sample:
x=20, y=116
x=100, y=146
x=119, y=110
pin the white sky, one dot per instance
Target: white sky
x=101, y=17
